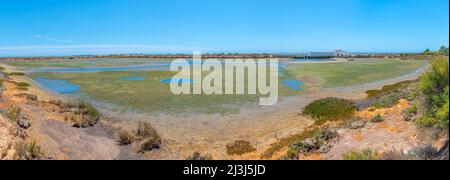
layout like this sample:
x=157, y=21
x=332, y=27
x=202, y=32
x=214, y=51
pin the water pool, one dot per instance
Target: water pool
x=57, y=85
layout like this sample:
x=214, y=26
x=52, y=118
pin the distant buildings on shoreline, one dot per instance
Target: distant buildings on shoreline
x=309, y=55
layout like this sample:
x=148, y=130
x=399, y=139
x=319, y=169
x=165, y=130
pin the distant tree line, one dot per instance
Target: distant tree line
x=443, y=51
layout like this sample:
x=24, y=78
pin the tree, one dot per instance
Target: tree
x=427, y=52
x=443, y=50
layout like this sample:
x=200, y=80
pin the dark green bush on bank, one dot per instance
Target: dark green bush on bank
x=330, y=109
x=434, y=87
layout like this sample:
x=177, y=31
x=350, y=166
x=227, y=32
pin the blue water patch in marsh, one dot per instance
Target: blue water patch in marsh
x=143, y=67
x=293, y=84
x=132, y=78
x=57, y=85
x=180, y=81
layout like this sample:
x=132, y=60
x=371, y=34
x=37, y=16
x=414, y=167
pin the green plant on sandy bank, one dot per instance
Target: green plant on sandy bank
x=420, y=152
x=311, y=145
x=125, y=138
x=377, y=119
x=330, y=109
x=89, y=114
x=150, y=138
x=240, y=147
x=22, y=86
x=280, y=144
x=196, y=156
x=434, y=86
x=390, y=100
x=28, y=151
x=366, y=154
x=16, y=74
x=14, y=114
x=389, y=88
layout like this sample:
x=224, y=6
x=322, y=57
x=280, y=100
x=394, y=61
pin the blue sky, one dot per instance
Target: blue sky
x=71, y=27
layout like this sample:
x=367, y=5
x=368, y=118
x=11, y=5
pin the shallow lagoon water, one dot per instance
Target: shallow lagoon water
x=293, y=84
x=57, y=85
x=132, y=78
x=169, y=80
x=165, y=66
x=146, y=66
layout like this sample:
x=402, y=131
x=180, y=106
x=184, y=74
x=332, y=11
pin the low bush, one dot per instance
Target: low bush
x=196, y=156
x=240, y=147
x=23, y=84
x=149, y=136
x=280, y=144
x=395, y=155
x=16, y=74
x=14, y=113
x=424, y=152
x=388, y=88
x=426, y=121
x=386, y=101
x=377, y=119
x=330, y=109
x=125, y=138
x=366, y=154
x=313, y=144
x=29, y=151
x=434, y=87
x=89, y=115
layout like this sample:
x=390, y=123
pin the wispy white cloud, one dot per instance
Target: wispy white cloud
x=47, y=38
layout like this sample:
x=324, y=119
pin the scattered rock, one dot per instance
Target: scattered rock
x=358, y=124
x=150, y=144
x=24, y=123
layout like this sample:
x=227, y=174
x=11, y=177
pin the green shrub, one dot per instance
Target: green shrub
x=376, y=119
x=240, y=147
x=22, y=88
x=16, y=74
x=196, y=156
x=150, y=143
x=388, y=88
x=145, y=129
x=366, y=154
x=23, y=84
x=413, y=109
x=330, y=109
x=125, y=138
x=426, y=121
x=149, y=135
x=28, y=151
x=424, y=152
x=395, y=155
x=14, y=113
x=89, y=114
x=386, y=101
x=280, y=144
x=313, y=144
x=434, y=86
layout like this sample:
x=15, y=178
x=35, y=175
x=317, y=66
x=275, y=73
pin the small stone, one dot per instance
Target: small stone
x=24, y=123
x=358, y=125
